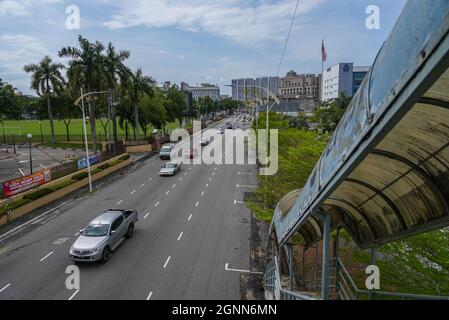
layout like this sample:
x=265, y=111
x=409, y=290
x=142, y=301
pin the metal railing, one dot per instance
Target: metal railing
x=273, y=285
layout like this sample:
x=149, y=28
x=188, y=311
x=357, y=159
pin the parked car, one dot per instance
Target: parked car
x=165, y=151
x=220, y=130
x=103, y=235
x=170, y=169
x=204, y=142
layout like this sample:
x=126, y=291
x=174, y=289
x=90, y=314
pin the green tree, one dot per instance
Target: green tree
x=47, y=79
x=174, y=102
x=154, y=110
x=329, y=114
x=9, y=107
x=87, y=71
x=139, y=85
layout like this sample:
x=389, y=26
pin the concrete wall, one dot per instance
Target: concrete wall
x=139, y=149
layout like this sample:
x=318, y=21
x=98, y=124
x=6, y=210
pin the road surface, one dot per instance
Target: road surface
x=190, y=227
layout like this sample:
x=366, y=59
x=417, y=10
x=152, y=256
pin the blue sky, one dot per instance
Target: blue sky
x=197, y=41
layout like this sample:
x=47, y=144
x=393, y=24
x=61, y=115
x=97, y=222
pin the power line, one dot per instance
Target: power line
x=288, y=37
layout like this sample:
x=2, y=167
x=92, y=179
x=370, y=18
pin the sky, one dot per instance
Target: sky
x=197, y=41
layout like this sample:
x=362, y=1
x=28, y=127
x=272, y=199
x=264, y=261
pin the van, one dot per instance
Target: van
x=165, y=151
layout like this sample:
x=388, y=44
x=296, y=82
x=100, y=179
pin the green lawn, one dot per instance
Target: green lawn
x=21, y=128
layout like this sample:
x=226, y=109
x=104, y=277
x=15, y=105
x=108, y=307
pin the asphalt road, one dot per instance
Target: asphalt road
x=190, y=227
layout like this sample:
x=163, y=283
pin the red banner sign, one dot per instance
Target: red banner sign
x=19, y=185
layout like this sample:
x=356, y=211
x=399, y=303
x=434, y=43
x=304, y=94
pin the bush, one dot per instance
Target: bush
x=61, y=185
x=96, y=171
x=125, y=157
x=38, y=194
x=80, y=176
x=104, y=166
x=14, y=205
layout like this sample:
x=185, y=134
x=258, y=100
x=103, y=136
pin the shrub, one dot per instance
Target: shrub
x=61, y=185
x=14, y=205
x=125, y=157
x=96, y=171
x=38, y=194
x=80, y=176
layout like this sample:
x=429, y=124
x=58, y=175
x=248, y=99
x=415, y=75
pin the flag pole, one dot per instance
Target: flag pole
x=322, y=72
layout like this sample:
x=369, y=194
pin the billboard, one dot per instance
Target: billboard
x=82, y=163
x=19, y=185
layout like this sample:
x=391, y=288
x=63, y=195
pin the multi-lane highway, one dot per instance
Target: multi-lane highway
x=190, y=227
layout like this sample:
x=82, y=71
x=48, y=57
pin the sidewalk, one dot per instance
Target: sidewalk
x=8, y=155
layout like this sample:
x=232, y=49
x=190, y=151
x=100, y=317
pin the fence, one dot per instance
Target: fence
x=71, y=166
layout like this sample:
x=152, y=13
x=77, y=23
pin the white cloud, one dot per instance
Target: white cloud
x=22, y=7
x=17, y=50
x=234, y=19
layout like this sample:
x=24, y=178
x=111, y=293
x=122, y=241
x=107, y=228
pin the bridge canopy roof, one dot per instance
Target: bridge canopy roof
x=385, y=173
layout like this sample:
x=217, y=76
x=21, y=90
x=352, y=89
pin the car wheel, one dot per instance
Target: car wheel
x=130, y=232
x=106, y=255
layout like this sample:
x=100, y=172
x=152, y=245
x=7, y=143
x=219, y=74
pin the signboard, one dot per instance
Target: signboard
x=82, y=163
x=19, y=185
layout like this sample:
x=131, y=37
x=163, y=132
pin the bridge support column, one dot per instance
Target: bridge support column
x=291, y=267
x=326, y=256
x=337, y=259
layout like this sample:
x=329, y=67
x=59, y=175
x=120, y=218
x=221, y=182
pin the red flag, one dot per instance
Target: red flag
x=323, y=52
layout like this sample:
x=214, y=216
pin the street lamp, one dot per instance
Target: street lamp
x=3, y=129
x=30, y=136
x=85, y=130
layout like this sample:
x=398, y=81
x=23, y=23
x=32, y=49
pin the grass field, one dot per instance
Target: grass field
x=21, y=128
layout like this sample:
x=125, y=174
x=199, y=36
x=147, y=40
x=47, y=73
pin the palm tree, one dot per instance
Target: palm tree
x=138, y=86
x=47, y=79
x=86, y=70
x=125, y=114
x=116, y=73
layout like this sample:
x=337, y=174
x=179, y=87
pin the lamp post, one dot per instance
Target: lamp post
x=3, y=129
x=30, y=136
x=85, y=130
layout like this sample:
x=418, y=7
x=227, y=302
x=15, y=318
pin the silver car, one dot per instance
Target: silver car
x=103, y=235
x=170, y=169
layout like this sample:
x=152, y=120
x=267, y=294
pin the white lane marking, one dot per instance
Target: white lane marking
x=157, y=203
x=248, y=173
x=119, y=202
x=173, y=186
x=74, y=294
x=185, y=173
x=180, y=236
x=210, y=179
x=244, y=186
x=18, y=228
x=150, y=179
x=213, y=173
x=167, y=192
x=146, y=216
x=202, y=193
x=197, y=203
x=21, y=172
x=190, y=217
x=216, y=168
x=180, y=179
x=166, y=262
x=5, y=287
x=132, y=192
x=237, y=201
x=149, y=295
x=42, y=166
x=142, y=185
x=206, y=185
x=47, y=256
x=239, y=270
x=190, y=168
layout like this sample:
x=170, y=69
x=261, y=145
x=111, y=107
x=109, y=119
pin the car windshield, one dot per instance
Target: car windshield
x=170, y=165
x=96, y=230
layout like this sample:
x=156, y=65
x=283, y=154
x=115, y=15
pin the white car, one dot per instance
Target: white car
x=204, y=142
x=170, y=169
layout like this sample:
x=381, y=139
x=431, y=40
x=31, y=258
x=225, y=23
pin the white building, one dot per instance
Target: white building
x=337, y=79
x=205, y=90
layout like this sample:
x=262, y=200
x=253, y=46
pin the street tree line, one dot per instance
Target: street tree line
x=136, y=99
